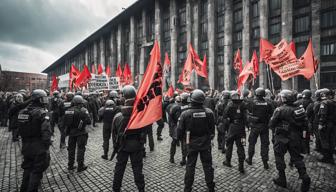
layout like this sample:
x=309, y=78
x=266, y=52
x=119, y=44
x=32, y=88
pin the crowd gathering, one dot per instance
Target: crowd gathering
x=290, y=120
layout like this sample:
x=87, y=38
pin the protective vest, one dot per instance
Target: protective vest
x=109, y=113
x=29, y=123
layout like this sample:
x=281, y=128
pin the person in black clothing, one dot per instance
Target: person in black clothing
x=62, y=108
x=260, y=111
x=54, y=109
x=76, y=118
x=288, y=124
x=107, y=114
x=131, y=143
x=197, y=125
x=221, y=127
x=13, y=115
x=235, y=115
x=326, y=126
x=174, y=114
x=34, y=129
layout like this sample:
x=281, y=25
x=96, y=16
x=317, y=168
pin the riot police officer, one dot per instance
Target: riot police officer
x=114, y=96
x=235, y=115
x=221, y=127
x=130, y=142
x=289, y=122
x=62, y=108
x=315, y=119
x=76, y=118
x=260, y=112
x=184, y=106
x=34, y=129
x=54, y=109
x=107, y=113
x=326, y=127
x=197, y=125
x=13, y=115
x=174, y=115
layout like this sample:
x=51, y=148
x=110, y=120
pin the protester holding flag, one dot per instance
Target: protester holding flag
x=131, y=142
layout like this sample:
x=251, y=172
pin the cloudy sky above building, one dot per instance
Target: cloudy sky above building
x=34, y=33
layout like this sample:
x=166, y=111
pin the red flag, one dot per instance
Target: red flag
x=255, y=63
x=73, y=74
x=84, y=77
x=147, y=106
x=245, y=74
x=119, y=71
x=127, y=75
x=100, y=69
x=198, y=65
x=54, y=84
x=266, y=49
x=108, y=70
x=292, y=46
x=307, y=62
x=170, y=92
x=93, y=69
x=167, y=61
x=238, y=63
x=185, y=76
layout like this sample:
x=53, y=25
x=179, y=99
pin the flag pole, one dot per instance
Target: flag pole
x=316, y=84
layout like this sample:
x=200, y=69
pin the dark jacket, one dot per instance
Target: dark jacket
x=76, y=119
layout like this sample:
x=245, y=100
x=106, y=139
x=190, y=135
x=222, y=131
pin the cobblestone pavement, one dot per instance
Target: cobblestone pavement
x=160, y=175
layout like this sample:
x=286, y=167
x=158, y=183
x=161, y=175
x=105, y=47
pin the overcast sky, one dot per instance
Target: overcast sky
x=34, y=33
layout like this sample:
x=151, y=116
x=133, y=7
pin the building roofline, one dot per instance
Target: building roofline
x=104, y=29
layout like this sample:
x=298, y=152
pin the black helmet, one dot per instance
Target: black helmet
x=260, y=92
x=184, y=97
x=129, y=92
x=234, y=95
x=246, y=92
x=69, y=96
x=197, y=96
x=178, y=99
x=226, y=94
x=113, y=94
x=299, y=96
x=19, y=98
x=268, y=94
x=306, y=93
x=39, y=95
x=56, y=94
x=318, y=93
x=109, y=103
x=77, y=100
x=78, y=93
x=287, y=96
x=325, y=93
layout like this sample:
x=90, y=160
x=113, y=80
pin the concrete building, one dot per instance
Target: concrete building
x=14, y=81
x=216, y=28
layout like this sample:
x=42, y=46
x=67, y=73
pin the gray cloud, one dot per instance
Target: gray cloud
x=54, y=26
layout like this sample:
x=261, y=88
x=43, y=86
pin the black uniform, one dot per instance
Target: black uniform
x=307, y=104
x=55, y=113
x=260, y=112
x=315, y=112
x=34, y=128
x=64, y=106
x=76, y=119
x=288, y=123
x=107, y=114
x=174, y=114
x=222, y=127
x=197, y=125
x=132, y=144
x=235, y=114
x=326, y=129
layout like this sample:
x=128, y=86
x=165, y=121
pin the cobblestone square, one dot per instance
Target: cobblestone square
x=160, y=175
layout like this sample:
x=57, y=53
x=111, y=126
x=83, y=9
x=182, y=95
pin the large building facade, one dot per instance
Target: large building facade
x=216, y=28
x=14, y=81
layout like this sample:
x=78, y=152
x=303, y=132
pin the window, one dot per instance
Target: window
x=255, y=33
x=220, y=6
x=255, y=9
x=150, y=26
x=300, y=3
x=328, y=49
x=275, y=4
x=328, y=19
x=237, y=36
x=274, y=29
x=139, y=28
x=302, y=24
x=238, y=17
x=220, y=23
